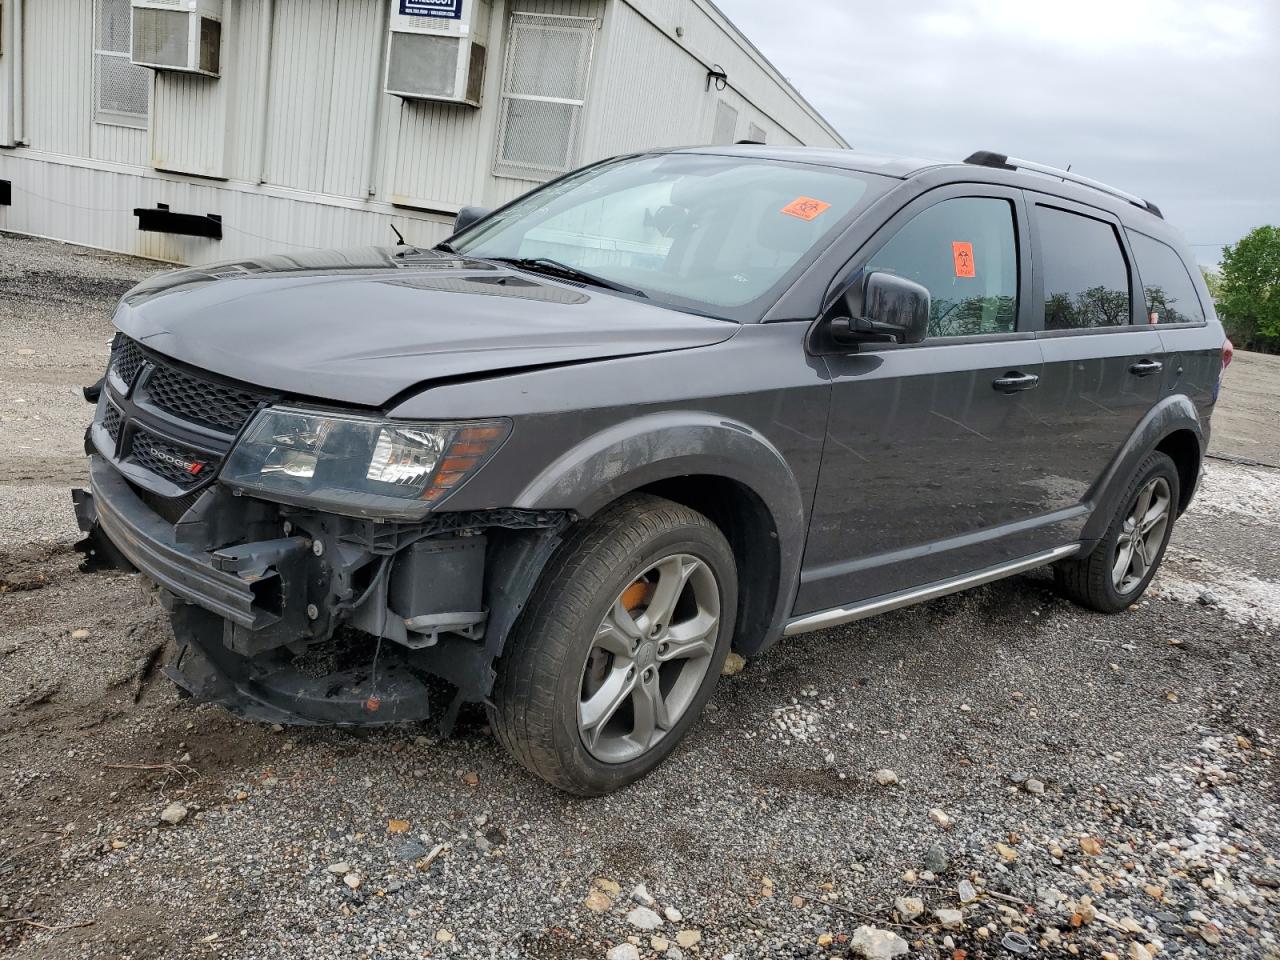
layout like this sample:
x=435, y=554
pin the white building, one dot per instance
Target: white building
x=271, y=121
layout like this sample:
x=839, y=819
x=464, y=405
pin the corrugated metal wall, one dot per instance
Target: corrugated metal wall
x=333, y=158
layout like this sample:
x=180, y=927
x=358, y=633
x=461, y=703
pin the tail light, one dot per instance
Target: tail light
x=1228, y=353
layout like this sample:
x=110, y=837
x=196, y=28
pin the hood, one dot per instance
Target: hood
x=363, y=326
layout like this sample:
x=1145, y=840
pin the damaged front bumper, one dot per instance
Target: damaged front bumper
x=285, y=615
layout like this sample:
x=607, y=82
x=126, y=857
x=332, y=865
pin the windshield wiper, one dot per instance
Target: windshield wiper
x=564, y=271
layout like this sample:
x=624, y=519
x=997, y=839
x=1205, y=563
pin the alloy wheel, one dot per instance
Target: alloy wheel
x=1142, y=535
x=648, y=658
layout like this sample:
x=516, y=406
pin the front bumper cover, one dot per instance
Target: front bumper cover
x=338, y=621
x=225, y=603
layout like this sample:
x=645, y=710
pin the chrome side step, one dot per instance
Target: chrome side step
x=905, y=598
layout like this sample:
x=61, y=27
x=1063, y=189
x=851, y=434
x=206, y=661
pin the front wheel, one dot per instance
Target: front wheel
x=1121, y=566
x=620, y=648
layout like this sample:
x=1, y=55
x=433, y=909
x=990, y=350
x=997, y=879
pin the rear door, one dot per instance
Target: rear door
x=929, y=469
x=1103, y=362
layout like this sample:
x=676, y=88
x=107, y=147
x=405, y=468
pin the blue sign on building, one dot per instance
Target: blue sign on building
x=444, y=9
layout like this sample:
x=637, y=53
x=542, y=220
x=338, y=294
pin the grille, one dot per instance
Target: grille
x=200, y=401
x=165, y=459
x=111, y=423
x=126, y=359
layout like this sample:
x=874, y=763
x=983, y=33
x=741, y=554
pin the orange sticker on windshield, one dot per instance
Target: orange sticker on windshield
x=806, y=208
x=962, y=254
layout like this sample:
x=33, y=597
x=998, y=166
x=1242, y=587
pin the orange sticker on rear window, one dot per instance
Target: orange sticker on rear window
x=962, y=254
x=806, y=208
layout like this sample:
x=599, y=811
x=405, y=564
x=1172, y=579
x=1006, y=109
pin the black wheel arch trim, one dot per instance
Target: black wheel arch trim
x=637, y=453
x=1171, y=415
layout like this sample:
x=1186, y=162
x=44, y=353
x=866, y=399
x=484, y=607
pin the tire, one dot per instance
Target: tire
x=556, y=676
x=1094, y=581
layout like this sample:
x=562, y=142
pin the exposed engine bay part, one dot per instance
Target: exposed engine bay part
x=256, y=591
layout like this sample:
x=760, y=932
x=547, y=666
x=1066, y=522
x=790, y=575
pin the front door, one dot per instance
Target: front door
x=930, y=468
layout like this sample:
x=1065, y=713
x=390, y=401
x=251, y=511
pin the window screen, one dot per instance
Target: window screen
x=965, y=252
x=726, y=124
x=1086, y=280
x=544, y=89
x=122, y=91
x=1170, y=292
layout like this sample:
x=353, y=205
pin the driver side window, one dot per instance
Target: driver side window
x=965, y=252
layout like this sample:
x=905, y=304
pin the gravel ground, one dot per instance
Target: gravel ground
x=1064, y=783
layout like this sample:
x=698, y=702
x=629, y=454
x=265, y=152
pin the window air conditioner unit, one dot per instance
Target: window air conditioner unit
x=183, y=35
x=436, y=50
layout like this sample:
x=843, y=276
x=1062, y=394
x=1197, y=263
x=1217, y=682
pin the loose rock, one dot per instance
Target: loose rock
x=908, y=908
x=874, y=944
x=941, y=819
x=642, y=918
x=950, y=919
x=689, y=938
x=935, y=859
x=174, y=814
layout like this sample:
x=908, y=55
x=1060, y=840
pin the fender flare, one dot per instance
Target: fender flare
x=661, y=446
x=1170, y=415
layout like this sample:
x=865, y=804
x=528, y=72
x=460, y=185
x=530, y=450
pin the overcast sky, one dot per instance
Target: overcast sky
x=1177, y=101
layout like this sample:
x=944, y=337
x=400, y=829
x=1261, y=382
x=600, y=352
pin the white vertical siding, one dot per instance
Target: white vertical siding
x=118, y=144
x=651, y=67
x=302, y=70
x=8, y=80
x=93, y=205
x=188, y=129
x=205, y=150
x=58, y=52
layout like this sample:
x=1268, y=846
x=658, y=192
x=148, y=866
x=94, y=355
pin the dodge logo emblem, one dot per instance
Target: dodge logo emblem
x=192, y=467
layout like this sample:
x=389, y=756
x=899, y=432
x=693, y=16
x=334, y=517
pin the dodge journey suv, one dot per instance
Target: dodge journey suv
x=672, y=404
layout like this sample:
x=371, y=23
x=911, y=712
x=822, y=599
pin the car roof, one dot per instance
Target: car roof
x=945, y=171
x=886, y=166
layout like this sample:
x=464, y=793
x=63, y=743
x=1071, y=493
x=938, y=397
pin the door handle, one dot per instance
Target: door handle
x=1144, y=368
x=1014, y=381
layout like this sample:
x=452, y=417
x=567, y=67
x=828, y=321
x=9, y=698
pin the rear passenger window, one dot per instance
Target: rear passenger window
x=965, y=252
x=1086, y=281
x=1171, y=294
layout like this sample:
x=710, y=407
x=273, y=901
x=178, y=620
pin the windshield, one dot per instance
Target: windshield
x=719, y=235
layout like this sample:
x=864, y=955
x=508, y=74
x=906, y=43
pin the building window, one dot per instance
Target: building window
x=544, y=90
x=758, y=134
x=726, y=127
x=122, y=91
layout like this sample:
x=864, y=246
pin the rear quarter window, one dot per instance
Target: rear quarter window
x=1170, y=292
x=1086, y=278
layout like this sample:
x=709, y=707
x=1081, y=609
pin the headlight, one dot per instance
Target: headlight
x=357, y=465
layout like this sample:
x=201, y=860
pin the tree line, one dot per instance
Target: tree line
x=1246, y=290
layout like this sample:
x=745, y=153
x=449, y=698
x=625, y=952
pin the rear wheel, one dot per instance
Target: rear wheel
x=620, y=648
x=1123, y=563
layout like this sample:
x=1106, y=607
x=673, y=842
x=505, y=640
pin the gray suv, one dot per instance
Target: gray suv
x=669, y=405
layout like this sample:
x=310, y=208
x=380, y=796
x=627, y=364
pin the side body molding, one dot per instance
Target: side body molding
x=662, y=446
x=1173, y=413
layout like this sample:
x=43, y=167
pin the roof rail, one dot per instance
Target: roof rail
x=988, y=158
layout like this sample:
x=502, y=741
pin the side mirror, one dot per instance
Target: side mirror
x=893, y=310
x=469, y=215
